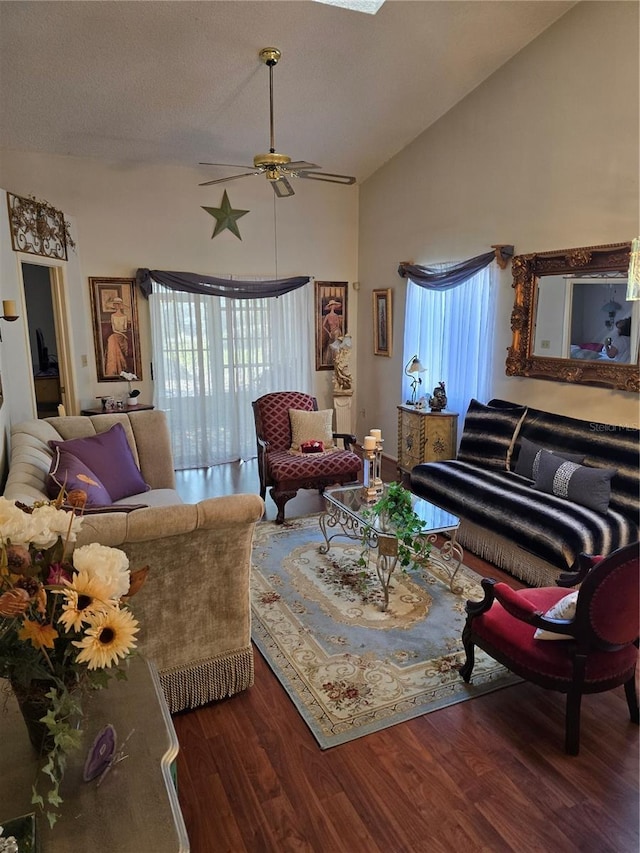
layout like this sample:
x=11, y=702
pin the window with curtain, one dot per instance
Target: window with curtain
x=451, y=331
x=213, y=356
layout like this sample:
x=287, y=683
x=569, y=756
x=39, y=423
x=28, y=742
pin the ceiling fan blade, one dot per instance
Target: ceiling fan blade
x=229, y=165
x=328, y=176
x=282, y=188
x=229, y=178
x=297, y=165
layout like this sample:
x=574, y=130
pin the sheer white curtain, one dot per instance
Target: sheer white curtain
x=213, y=356
x=451, y=331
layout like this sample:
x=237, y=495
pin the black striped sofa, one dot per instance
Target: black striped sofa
x=535, y=525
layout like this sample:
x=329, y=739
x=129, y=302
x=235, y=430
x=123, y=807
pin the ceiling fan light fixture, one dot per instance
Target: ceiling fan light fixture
x=271, y=160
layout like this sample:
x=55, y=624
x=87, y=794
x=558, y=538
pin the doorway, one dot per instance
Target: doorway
x=44, y=318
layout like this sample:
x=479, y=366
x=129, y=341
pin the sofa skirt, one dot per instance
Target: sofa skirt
x=505, y=555
x=207, y=680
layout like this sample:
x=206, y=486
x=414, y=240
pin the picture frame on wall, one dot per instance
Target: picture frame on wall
x=116, y=332
x=382, y=322
x=330, y=319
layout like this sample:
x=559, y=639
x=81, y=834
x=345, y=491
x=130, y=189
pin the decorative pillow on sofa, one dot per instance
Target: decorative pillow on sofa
x=529, y=458
x=109, y=456
x=311, y=426
x=590, y=487
x=488, y=434
x=68, y=472
x=563, y=609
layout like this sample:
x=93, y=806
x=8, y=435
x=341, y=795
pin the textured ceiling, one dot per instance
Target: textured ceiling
x=181, y=82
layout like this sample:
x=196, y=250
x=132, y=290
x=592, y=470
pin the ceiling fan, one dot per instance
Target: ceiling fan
x=277, y=168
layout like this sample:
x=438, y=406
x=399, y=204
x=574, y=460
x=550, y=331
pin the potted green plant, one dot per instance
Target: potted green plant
x=394, y=513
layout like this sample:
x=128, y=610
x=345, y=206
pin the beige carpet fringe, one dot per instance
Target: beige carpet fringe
x=504, y=554
x=207, y=680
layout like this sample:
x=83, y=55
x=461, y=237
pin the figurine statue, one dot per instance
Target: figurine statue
x=342, y=379
x=439, y=400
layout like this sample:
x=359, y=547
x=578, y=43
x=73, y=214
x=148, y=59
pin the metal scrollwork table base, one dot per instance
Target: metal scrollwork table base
x=344, y=515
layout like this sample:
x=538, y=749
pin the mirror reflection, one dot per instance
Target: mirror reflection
x=586, y=318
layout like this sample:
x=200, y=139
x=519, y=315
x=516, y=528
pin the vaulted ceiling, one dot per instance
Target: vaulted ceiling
x=181, y=82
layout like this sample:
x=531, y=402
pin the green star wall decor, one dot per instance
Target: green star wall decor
x=226, y=217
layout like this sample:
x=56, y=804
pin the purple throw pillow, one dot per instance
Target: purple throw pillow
x=109, y=456
x=68, y=472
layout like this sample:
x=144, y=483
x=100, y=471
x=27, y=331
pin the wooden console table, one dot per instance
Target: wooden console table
x=136, y=807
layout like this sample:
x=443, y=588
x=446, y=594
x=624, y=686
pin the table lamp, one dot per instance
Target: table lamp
x=413, y=370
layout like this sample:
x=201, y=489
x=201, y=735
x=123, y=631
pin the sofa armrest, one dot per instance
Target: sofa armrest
x=194, y=608
x=152, y=523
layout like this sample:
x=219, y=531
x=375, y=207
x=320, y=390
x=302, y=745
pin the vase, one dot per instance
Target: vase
x=132, y=401
x=34, y=704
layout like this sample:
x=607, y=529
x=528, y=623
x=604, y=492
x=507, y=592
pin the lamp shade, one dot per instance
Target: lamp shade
x=414, y=366
x=611, y=307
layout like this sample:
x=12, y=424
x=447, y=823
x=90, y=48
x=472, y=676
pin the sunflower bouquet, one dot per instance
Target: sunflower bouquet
x=65, y=625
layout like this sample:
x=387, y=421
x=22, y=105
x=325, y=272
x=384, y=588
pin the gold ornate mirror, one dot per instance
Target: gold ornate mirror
x=571, y=321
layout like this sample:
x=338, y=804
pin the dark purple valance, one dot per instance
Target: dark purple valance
x=209, y=285
x=455, y=274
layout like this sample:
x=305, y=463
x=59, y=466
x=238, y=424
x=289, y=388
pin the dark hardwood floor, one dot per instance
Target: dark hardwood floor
x=489, y=774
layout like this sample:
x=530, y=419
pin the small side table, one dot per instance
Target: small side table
x=141, y=407
x=136, y=807
x=425, y=436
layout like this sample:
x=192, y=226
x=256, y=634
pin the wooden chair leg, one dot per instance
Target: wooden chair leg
x=632, y=699
x=572, y=723
x=280, y=499
x=467, y=667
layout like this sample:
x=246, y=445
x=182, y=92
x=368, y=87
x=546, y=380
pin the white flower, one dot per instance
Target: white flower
x=110, y=565
x=128, y=376
x=48, y=523
x=14, y=523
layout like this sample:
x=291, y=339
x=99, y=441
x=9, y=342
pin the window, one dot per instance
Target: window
x=213, y=356
x=452, y=331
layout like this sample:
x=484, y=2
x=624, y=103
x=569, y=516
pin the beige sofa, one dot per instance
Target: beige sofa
x=194, y=609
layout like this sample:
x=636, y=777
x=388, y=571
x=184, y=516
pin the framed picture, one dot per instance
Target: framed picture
x=116, y=332
x=382, y=322
x=331, y=319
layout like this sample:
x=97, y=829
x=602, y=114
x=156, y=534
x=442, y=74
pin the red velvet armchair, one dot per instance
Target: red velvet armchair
x=600, y=651
x=286, y=472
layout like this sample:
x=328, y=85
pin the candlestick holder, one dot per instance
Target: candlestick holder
x=377, y=468
x=8, y=312
x=369, y=493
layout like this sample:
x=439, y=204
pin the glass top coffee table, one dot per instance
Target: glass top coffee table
x=347, y=514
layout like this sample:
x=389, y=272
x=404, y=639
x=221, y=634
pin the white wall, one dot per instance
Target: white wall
x=127, y=217
x=543, y=155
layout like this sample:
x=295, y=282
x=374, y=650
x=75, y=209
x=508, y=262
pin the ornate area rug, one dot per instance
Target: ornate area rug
x=350, y=668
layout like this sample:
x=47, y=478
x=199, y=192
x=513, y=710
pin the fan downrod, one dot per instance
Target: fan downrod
x=270, y=55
